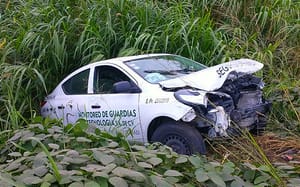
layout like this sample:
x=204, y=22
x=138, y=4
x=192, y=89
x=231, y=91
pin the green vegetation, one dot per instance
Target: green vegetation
x=41, y=42
x=48, y=154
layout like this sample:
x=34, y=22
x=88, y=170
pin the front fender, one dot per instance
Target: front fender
x=173, y=110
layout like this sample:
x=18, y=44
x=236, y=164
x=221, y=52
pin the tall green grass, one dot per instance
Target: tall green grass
x=53, y=38
x=268, y=31
x=48, y=40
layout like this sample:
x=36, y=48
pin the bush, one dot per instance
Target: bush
x=47, y=154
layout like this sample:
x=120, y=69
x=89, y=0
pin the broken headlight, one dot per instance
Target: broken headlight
x=191, y=97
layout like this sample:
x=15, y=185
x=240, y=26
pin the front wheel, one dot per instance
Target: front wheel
x=182, y=138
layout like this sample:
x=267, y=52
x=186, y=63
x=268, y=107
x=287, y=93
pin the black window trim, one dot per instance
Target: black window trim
x=71, y=76
x=92, y=73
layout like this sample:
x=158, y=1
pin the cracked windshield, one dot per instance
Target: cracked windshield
x=156, y=69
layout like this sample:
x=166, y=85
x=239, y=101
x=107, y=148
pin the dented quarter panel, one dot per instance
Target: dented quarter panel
x=213, y=78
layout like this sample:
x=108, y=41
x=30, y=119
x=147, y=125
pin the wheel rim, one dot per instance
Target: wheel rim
x=177, y=143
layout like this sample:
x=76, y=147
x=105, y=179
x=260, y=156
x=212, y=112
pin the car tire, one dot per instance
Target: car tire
x=182, y=138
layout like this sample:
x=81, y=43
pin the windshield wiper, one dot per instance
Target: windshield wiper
x=171, y=72
x=163, y=72
x=185, y=70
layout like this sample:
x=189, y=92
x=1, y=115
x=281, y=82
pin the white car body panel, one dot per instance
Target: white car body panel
x=142, y=108
x=160, y=104
x=152, y=99
x=214, y=76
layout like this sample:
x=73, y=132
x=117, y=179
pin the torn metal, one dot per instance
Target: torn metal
x=238, y=102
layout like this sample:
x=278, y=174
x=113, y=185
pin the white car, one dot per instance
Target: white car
x=163, y=98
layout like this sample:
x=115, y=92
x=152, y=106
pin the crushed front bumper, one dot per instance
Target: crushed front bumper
x=250, y=118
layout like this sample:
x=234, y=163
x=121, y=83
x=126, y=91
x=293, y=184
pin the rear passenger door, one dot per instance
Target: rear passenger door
x=74, y=98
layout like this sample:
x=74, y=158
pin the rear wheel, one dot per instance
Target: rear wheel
x=182, y=138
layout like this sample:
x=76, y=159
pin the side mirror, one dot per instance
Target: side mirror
x=125, y=87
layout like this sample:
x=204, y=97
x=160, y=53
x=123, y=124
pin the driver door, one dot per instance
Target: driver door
x=111, y=111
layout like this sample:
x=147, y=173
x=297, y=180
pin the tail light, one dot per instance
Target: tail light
x=43, y=103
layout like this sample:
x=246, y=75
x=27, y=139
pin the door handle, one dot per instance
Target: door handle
x=61, y=107
x=96, y=106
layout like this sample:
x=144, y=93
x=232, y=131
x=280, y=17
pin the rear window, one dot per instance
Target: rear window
x=78, y=84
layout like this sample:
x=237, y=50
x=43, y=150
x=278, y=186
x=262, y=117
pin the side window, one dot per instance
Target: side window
x=78, y=84
x=105, y=77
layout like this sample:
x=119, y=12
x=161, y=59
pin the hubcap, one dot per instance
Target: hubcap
x=177, y=143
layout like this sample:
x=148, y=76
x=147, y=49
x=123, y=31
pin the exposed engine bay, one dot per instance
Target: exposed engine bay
x=238, y=104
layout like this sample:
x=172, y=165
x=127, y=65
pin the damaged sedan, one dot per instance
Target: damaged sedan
x=163, y=98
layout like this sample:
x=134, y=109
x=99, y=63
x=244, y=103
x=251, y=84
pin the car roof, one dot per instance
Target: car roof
x=129, y=58
x=118, y=61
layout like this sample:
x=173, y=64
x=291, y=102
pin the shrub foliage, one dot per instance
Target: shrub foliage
x=48, y=154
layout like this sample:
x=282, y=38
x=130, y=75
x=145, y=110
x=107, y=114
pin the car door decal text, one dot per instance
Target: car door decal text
x=156, y=100
x=117, y=118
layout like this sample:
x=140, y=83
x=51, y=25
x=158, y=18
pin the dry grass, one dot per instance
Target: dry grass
x=280, y=148
x=277, y=149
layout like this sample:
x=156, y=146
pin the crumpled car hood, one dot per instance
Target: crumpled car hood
x=213, y=78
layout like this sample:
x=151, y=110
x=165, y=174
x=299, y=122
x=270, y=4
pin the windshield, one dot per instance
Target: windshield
x=160, y=68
